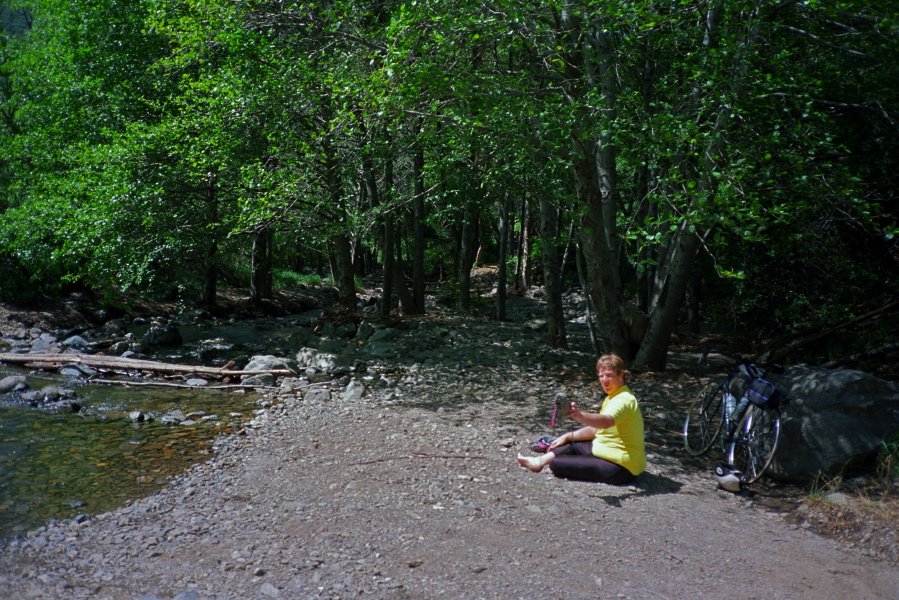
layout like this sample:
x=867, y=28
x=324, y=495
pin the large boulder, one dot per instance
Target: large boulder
x=836, y=416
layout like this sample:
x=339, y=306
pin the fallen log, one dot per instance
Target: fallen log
x=231, y=386
x=99, y=361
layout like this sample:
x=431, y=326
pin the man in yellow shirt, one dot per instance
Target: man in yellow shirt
x=610, y=447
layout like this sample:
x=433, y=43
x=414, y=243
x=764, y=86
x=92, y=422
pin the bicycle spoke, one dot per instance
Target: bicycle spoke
x=704, y=420
x=753, y=448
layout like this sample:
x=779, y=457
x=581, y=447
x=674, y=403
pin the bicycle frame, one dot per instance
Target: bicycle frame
x=747, y=433
x=728, y=433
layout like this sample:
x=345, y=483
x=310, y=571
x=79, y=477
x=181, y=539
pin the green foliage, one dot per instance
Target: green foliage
x=139, y=143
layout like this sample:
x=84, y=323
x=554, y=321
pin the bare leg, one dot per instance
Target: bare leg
x=535, y=463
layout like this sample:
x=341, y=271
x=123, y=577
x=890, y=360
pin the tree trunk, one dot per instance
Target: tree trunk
x=524, y=248
x=418, y=224
x=589, y=313
x=663, y=315
x=342, y=270
x=555, y=318
x=261, y=266
x=599, y=265
x=407, y=302
x=388, y=248
x=387, y=263
x=694, y=297
x=466, y=256
x=501, y=260
x=209, y=288
x=340, y=245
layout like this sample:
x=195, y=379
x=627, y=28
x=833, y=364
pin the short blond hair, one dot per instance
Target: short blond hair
x=612, y=362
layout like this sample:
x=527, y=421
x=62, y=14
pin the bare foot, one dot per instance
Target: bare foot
x=533, y=464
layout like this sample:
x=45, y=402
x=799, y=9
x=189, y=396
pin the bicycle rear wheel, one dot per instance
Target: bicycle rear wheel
x=753, y=449
x=704, y=419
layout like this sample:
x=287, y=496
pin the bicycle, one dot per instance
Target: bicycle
x=746, y=430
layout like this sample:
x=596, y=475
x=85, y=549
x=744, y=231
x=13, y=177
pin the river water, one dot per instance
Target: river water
x=67, y=464
x=61, y=465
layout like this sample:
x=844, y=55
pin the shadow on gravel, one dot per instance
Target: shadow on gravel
x=647, y=484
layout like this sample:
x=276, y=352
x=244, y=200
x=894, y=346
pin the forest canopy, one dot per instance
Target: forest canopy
x=732, y=162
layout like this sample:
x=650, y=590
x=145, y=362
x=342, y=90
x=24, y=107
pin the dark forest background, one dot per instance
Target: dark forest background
x=694, y=165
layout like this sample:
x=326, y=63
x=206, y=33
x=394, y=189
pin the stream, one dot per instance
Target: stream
x=62, y=465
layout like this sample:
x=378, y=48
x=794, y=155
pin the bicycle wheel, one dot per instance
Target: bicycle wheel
x=753, y=448
x=704, y=419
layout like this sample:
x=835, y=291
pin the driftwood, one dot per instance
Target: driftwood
x=57, y=361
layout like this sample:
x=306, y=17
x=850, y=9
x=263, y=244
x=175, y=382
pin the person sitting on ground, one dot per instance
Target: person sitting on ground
x=610, y=447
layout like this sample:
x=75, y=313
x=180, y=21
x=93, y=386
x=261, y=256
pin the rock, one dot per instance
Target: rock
x=272, y=363
x=384, y=335
x=353, y=391
x=333, y=345
x=12, y=383
x=115, y=327
x=317, y=395
x=174, y=417
x=137, y=416
x=47, y=342
x=536, y=325
x=48, y=395
x=260, y=380
x=61, y=405
x=78, y=370
x=835, y=416
x=346, y=331
x=196, y=382
x=162, y=335
x=315, y=359
x=301, y=338
x=76, y=341
x=364, y=332
x=837, y=498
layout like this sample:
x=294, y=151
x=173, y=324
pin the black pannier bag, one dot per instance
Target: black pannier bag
x=765, y=394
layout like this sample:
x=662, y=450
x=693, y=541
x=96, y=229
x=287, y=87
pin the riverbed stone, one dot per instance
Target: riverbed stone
x=353, y=391
x=78, y=370
x=271, y=362
x=12, y=382
x=46, y=343
x=259, y=380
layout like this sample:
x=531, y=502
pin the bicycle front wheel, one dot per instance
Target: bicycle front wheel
x=704, y=419
x=756, y=442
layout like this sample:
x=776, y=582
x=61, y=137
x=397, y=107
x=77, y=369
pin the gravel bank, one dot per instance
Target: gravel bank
x=412, y=491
